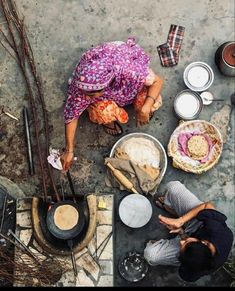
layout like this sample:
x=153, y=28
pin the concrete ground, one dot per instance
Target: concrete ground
x=60, y=31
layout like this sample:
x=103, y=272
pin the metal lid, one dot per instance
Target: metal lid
x=188, y=105
x=198, y=76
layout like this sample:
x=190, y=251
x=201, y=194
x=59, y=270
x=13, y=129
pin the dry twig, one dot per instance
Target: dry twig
x=17, y=41
x=25, y=272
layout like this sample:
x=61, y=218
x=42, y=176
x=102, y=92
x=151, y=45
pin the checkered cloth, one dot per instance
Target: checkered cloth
x=169, y=51
x=168, y=57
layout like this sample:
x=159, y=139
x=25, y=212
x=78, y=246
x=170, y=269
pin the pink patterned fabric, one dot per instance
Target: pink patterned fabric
x=94, y=73
x=183, y=143
x=122, y=69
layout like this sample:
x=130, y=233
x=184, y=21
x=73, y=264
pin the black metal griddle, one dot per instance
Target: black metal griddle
x=70, y=234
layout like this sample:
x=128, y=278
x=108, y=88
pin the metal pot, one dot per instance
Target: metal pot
x=188, y=105
x=225, y=58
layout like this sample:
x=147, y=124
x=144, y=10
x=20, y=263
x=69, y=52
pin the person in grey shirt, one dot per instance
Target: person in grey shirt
x=203, y=242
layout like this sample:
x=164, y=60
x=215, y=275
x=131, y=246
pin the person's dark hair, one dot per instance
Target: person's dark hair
x=196, y=257
x=93, y=92
x=96, y=91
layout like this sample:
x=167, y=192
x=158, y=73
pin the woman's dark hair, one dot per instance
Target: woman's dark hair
x=196, y=257
x=95, y=91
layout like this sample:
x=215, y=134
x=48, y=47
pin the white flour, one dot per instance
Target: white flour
x=187, y=105
x=142, y=151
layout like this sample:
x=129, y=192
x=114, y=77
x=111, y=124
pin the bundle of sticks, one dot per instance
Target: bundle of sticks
x=26, y=272
x=28, y=268
x=14, y=39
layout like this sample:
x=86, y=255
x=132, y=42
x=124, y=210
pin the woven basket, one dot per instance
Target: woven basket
x=186, y=163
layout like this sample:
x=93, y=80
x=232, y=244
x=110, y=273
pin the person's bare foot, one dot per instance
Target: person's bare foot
x=160, y=203
x=113, y=128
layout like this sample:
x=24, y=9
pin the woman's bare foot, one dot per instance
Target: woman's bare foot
x=113, y=128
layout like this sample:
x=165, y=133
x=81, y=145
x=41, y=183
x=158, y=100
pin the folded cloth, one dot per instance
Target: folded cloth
x=169, y=51
x=167, y=56
x=142, y=181
x=175, y=37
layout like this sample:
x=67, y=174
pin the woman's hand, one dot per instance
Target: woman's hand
x=143, y=115
x=66, y=160
x=158, y=103
x=173, y=224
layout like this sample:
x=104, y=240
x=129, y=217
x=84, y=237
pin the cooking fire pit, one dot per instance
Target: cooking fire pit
x=58, y=246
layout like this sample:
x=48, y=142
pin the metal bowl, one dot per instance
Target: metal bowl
x=159, y=146
x=207, y=97
x=191, y=114
x=133, y=267
x=198, y=76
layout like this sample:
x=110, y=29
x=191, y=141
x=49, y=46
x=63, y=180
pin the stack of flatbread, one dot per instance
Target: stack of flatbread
x=66, y=217
x=143, y=153
x=198, y=147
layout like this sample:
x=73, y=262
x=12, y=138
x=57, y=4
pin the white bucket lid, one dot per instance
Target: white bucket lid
x=198, y=76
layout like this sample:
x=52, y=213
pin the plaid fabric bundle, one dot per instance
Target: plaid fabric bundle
x=169, y=51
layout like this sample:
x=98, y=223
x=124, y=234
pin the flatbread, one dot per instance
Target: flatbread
x=66, y=217
x=151, y=171
x=142, y=151
x=198, y=147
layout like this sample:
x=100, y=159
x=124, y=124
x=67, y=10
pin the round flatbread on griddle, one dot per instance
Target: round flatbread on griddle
x=66, y=217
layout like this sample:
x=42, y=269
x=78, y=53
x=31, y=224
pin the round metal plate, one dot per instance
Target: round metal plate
x=198, y=76
x=135, y=210
x=133, y=267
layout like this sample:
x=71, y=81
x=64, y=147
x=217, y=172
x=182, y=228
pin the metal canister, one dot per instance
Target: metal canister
x=188, y=105
x=225, y=58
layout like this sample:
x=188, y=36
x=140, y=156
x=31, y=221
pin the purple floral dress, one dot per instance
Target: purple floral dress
x=120, y=69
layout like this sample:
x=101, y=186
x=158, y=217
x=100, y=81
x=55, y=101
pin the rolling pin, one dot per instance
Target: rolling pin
x=122, y=179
